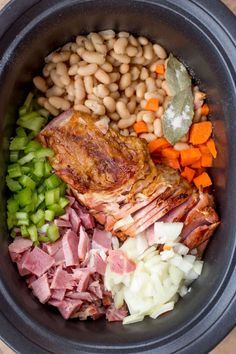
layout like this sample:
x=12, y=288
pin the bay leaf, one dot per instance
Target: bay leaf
x=176, y=76
x=178, y=116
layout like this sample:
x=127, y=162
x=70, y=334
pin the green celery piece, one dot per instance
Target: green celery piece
x=26, y=181
x=14, y=186
x=21, y=215
x=11, y=221
x=58, y=210
x=47, y=168
x=29, y=116
x=14, y=170
x=40, y=199
x=12, y=206
x=39, y=168
x=53, y=232
x=43, y=239
x=44, y=113
x=18, y=143
x=21, y=132
x=24, y=197
x=33, y=124
x=50, y=197
x=14, y=156
x=28, y=208
x=27, y=158
x=32, y=230
x=63, y=202
x=49, y=215
x=28, y=101
x=24, y=231
x=41, y=188
x=44, y=152
x=36, y=217
x=41, y=222
x=56, y=192
x=52, y=182
x=22, y=111
x=21, y=222
x=25, y=169
x=32, y=146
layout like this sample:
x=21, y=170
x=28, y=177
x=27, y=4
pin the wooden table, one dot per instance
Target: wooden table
x=228, y=345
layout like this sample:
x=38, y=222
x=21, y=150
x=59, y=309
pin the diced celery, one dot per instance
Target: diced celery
x=14, y=186
x=43, y=239
x=52, y=182
x=63, y=202
x=22, y=111
x=26, y=181
x=24, y=197
x=25, y=169
x=23, y=222
x=53, y=232
x=26, y=158
x=18, y=143
x=36, y=217
x=14, y=170
x=49, y=215
x=28, y=208
x=14, y=156
x=41, y=188
x=47, y=168
x=27, y=117
x=21, y=132
x=34, y=124
x=40, y=199
x=32, y=146
x=28, y=101
x=62, y=187
x=44, y=113
x=39, y=168
x=58, y=210
x=41, y=222
x=24, y=231
x=44, y=152
x=21, y=215
x=32, y=230
x=12, y=206
x=11, y=221
x=50, y=197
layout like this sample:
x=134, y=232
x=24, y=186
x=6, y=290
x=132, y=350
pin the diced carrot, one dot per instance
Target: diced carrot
x=206, y=160
x=204, y=149
x=152, y=104
x=203, y=180
x=160, y=69
x=174, y=163
x=200, y=132
x=190, y=156
x=158, y=144
x=205, y=110
x=188, y=173
x=212, y=147
x=170, y=153
x=196, y=164
x=140, y=127
x=167, y=248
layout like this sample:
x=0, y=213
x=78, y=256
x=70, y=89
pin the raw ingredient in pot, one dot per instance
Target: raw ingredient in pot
x=115, y=178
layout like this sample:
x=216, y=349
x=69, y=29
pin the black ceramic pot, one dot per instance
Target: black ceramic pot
x=200, y=32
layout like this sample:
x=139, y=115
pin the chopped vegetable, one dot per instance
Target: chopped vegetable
x=170, y=153
x=207, y=160
x=202, y=180
x=200, y=132
x=152, y=104
x=196, y=164
x=204, y=149
x=174, y=163
x=140, y=127
x=158, y=144
x=160, y=69
x=205, y=110
x=53, y=232
x=188, y=173
x=212, y=148
x=190, y=156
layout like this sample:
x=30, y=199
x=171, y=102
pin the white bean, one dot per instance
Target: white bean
x=50, y=108
x=122, y=110
x=134, y=73
x=59, y=57
x=80, y=40
x=143, y=104
x=48, y=68
x=181, y=146
x=150, y=127
x=98, y=44
x=131, y=105
x=56, y=78
x=124, y=68
x=157, y=125
x=140, y=90
x=115, y=116
x=148, y=117
x=126, y=123
x=93, y=57
x=107, y=34
x=125, y=81
x=138, y=60
x=129, y=91
x=113, y=87
x=133, y=41
x=139, y=116
x=110, y=104
x=59, y=103
x=41, y=100
x=160, y=51
x=144, y=74
x=101, y=91
x=115, y=77
x=87, y=70
x=110, y=44
x=148, y=137
x=79, y=89
x=81, y=108
x=120, y=45
x=107, y=67
x=151, y=84
x=88, y=84
x=55, y=91
x=122, y=58
x=89, y=45
x=61, y=69
x=73, y=70
x=159, y=112
x=131, y=51
x=165, y=87
x=74, y=58
x=102, y=76
x=124, y=132
x=143, y=40
x=95, y=107
x=74, y=47
x=148, y=52
x=40, y=83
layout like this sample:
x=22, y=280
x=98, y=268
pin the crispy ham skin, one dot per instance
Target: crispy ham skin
x=115, y=178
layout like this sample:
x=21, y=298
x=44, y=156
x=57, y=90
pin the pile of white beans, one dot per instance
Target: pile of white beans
x=110, y=76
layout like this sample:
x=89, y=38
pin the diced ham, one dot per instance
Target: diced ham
x=70, y=243
x=101, y=240
x=84, y=278
x=69, y=306
x=62, y=280
x=82, y=295
x=95, y=288
x=21, y=269
x=58, y=294
x=15, y=256
x=41, y=289
x=52, y=248
x=19, y=245
x=84, y=244
x=75, y=220
x=119, y=263
x=113, y=314
x=87, y=220
x=38, y=262
x=98, y=263
x=59, y=257
x=63, y=223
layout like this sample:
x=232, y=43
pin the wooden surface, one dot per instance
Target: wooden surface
x=228, y=345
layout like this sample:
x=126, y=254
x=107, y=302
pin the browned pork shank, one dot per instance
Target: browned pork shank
x=115, y=178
